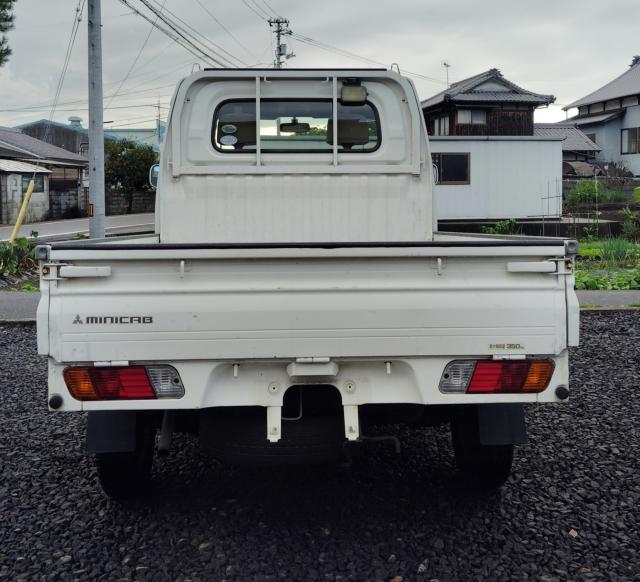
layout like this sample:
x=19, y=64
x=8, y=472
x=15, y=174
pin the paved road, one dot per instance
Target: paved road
x=22, y=305
x=18, y=305
x=61, y=229
x=609, y=298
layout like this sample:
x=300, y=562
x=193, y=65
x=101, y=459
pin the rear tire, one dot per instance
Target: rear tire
x=127, y=475
x=482, y=466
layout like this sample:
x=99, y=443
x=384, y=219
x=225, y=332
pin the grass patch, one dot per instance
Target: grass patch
x=17, y=258
x=30, y=287
x=614, y=280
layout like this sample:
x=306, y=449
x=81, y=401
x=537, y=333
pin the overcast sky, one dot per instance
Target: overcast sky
x=564, y=47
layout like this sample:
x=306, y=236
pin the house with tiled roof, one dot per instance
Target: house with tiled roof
x=490, y=164
x=485, y=104
x=57, y=175
x=576, y=145
x=610, y=117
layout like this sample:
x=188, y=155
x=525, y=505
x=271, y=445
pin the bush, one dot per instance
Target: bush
x=509, y=226
x=585, y=193
x=631, y=224
x=16, y=258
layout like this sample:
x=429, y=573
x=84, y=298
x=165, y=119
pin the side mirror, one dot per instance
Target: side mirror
x=154, y=171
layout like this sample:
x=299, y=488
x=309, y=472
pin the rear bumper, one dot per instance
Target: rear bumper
x=210, y=383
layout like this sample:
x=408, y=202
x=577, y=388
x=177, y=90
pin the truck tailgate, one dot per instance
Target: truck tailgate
x=159, y=302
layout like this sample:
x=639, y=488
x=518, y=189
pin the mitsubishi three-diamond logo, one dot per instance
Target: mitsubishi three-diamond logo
x=77, y=319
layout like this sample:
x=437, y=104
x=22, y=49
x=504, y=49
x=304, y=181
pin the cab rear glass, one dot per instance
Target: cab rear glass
x=294, y=126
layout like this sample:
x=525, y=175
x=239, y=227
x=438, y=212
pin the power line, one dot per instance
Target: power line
x=253, y=9
x=72, y=40
x=223, y=27
x=175, y=34
x=185, y=28
x=271, y=8
x=84, y=101
x=135, y=61
x=342, y=52
x=119, y=125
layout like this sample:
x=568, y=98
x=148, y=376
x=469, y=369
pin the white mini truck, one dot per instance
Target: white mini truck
x=296, y=291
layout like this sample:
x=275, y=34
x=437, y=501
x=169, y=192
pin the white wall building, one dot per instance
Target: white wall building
x=497, y=177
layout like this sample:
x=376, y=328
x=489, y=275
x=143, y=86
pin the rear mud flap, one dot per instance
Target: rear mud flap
x=111, y=431
x=502, y=424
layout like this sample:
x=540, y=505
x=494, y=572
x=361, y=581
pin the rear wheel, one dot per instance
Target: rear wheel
x=482, y=466
x=128, y=475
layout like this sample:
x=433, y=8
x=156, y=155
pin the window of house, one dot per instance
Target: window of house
x=441, y=125
x=629, y=139
x=591, y=136
x=478, y=116
x=453, y=168
x=39, y=183
x=472, y=116
x=294, y=125
x=464, y=116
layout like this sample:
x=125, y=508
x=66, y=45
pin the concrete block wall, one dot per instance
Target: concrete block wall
x=122, y=203
x=12, y=200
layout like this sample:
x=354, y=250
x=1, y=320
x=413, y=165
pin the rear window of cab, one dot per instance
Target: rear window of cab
x=294, y=126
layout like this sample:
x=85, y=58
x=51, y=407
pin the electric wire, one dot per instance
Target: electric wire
x=271, y=8
x=223, y=27
x=260, y=8
x=135, y=60
x=204, y=37
x=83, y=101
x=189, y=33
x=63, y=73
x=176, y=35
x=342, y=52
x=251, y=7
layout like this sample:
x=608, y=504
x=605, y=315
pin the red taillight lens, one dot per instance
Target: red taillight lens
x=511, y=377
x=130, y=383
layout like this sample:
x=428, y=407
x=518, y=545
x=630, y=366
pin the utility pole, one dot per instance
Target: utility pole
x=281, y=29
x=96, y=122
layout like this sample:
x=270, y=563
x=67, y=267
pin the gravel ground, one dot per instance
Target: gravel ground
x=570, y=510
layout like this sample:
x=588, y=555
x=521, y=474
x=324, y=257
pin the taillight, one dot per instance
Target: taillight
x=496, y=376
x=123, y=383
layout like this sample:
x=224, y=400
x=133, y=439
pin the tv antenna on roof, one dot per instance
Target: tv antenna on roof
x=446, y=66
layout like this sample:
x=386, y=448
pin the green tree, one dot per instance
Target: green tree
x=6, y=24
x=127, y=164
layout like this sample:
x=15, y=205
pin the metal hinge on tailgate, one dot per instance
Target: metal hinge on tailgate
x=58, y=271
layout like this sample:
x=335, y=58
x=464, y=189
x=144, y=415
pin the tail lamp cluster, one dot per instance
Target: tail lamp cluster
x=123, y=383
x=496, y=376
